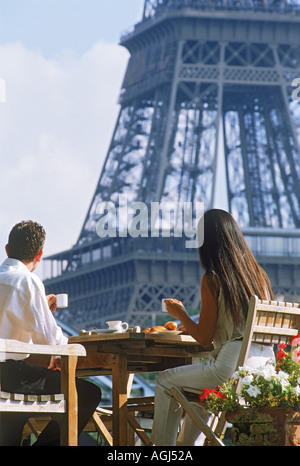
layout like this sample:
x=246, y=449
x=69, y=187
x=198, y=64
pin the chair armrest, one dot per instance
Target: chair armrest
x=18, y=347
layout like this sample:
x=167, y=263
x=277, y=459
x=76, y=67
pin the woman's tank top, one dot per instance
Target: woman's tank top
x=225, y=329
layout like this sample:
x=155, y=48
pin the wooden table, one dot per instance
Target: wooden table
x=121, y=354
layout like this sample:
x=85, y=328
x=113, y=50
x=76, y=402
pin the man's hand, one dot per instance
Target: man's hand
x=51, y=298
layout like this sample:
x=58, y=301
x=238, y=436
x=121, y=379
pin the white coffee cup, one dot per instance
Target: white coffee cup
x=62, y=300
x=117, y=325
x=163, y=305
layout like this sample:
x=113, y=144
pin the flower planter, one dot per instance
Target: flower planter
x=265, y=427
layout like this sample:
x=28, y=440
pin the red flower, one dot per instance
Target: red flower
x=280, y=355
x=207, y=391
x=295, y=340
x=281, y=345
x=218, y=394
x=205, y=394
x=296, y=355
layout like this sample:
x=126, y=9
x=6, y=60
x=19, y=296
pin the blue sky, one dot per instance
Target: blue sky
x=63, y=69
x=54, y=25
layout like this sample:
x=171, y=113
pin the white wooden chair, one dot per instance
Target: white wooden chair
x=63, y=404
x=268, y=322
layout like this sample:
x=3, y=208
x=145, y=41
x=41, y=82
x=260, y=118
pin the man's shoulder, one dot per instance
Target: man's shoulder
x=37, y=281
x=11, y=270
x=15, y=274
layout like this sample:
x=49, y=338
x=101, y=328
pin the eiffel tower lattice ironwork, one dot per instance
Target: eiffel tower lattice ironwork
x=207, y=83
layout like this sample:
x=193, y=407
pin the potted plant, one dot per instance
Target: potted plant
x=267, y=409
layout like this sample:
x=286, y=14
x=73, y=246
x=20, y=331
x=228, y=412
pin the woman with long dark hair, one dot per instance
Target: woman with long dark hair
x=231, y=276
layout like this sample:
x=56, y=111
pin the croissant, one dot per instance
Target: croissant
x=170, y=325
x=146, y=330
x=158, y=328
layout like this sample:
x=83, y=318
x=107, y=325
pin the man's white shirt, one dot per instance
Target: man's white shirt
x=24, y=311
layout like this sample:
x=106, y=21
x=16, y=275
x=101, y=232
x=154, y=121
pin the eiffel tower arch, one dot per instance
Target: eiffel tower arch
x=208, y=105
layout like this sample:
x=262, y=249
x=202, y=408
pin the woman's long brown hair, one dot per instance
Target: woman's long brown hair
x=225, y=253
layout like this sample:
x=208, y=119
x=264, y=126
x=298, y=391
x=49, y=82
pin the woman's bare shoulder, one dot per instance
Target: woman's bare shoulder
x=211, y=281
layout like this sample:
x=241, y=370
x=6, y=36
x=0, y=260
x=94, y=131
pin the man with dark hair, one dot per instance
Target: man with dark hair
x=25, y=315
x=26, y=240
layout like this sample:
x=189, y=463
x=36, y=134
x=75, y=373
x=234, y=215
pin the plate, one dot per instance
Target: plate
x=168, y=332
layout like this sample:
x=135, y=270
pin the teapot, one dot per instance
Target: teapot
x=117, y=325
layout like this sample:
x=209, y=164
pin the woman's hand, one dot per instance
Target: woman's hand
x=204, y=330
x=175, y=308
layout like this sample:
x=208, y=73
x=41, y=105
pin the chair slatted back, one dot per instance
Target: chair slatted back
x=269, y=322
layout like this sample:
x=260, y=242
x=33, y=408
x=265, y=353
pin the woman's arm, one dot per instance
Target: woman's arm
x=204, y=330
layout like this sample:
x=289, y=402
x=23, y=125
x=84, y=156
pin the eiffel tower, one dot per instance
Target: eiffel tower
x=209, y=107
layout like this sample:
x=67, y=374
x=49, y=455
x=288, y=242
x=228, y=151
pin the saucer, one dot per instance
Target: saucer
x=103, y=330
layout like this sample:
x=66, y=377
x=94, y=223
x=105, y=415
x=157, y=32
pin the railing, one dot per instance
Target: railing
x=273, y=243
x=262, y=242
x=157, y=7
